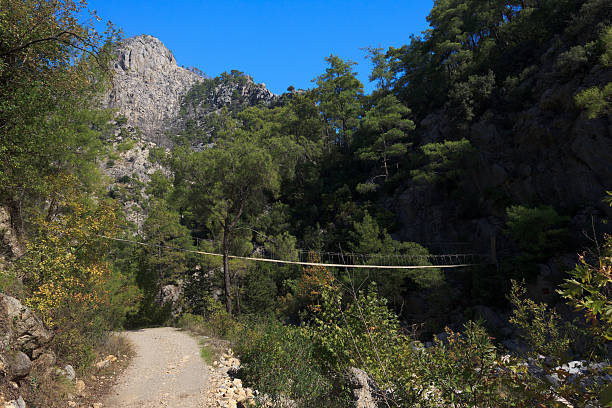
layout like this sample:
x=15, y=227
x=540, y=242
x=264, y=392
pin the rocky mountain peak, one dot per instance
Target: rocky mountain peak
x=158, y=98
x=147, y=86
x=143, y=53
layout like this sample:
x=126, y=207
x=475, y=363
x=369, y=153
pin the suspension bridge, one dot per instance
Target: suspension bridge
x=343, y=259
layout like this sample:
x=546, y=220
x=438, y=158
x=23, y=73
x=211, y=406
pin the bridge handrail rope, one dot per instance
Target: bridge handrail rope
x=279, y=261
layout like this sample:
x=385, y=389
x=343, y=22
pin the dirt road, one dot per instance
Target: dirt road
x=167, y=371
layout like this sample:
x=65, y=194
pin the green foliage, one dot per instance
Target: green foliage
x=537, y=231
x=158, y=264
x=224, y=186
x=364, y=333
x=595, y=101
x=467, y=371
x=444, y=162
x=385, y=126
x=190, y=322
x=125, y=145
x=10, y=284
x=281, y=361
x=207, y=354
x=338, y=93
x=52, y=69
x=589, y=289
x=159, y=186
x=606, y=43
x=259, y=291
x=369, y=238
x=213, y=322
x=467, y=99
x=542, y=329
x=70, y=281
x=572, y=61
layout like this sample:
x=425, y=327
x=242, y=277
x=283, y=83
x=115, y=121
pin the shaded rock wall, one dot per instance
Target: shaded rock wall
x=538, y=149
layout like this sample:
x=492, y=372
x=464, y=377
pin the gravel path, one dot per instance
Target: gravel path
x=167, y=371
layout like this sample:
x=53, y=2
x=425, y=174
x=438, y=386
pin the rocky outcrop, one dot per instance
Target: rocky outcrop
x=149, y=89
x=366, y=393
x=129, y=172
x=23, y=340
x=170, y=296
x=147, y=86
x=10, y=245
x=233, y=91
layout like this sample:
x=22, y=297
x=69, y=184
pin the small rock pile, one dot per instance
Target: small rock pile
x=225, y=391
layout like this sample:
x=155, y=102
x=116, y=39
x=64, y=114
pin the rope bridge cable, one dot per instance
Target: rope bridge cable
x=279, y=261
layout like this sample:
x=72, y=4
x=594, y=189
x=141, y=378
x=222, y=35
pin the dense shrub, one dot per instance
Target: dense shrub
x=281, y=361
x=215, y=321
x=538, y=231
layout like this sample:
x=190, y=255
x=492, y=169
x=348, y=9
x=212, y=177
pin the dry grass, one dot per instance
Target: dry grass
x=46, y=389
x=117, y=345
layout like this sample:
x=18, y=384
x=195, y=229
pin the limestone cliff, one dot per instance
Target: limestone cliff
x=147, y=86
x=159, y=99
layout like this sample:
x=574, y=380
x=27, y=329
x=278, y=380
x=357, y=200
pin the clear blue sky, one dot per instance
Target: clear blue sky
x=280, y=43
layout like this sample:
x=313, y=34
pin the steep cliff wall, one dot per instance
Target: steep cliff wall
x=532, y=145
x=147, y=86
x=160, y=99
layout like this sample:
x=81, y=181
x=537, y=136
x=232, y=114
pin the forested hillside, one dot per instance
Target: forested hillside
x=489, y=134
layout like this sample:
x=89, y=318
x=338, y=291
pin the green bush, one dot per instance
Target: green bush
x=595, y=101
x=364, y=333
x=572, y=61
x=125, y=145
x=538, y=231
x=281, y=362
x=590, y=289
x=444, y=162
x=259, y=291
x=215, y=322
x=190, y=322
x=541, y=328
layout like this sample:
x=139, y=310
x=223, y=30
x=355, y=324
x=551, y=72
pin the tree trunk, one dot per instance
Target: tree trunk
x=226, y=271
x=237, y=295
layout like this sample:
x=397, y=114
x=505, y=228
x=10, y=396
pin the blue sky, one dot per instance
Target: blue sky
x=280, y=43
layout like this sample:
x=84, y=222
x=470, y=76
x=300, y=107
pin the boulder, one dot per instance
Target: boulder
x=366, y=393
x=19, y=364
x=79, y=387
x=18, y=403
x=23, y=340
x=70, y=374
x=21, y=328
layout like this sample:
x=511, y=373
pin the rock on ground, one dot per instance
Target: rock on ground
x=23, y=340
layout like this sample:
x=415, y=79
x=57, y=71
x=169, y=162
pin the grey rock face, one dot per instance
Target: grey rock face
x=170, y=295
x=19, y=365
x=546, y=152
x=10, y=246
x=21, y=328
x=148, y=88
x=366, y=393
x=136, y=169
x=147, y=85
x=23, y=338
